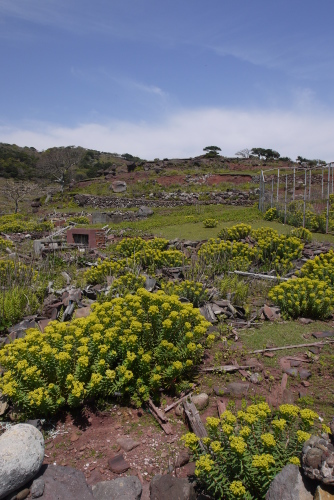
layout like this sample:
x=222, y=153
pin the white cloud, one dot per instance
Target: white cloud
x=186, y=132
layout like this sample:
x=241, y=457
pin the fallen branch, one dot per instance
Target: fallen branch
x=161, y=418
x=260, y=276
x=170, y=407
x=258, y=351
x=226, y=368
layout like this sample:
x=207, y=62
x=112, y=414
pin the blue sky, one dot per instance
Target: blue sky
x=165, y=79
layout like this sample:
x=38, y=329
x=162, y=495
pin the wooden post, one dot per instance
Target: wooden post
x=277, y=184
x=322, y=184
x=328, y=193
x=304, y=209
x=294, y=184
x=260, y=194
x=309, y=187
x=272, y=193
x=286, y=197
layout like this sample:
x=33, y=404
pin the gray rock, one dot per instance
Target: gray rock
x=122, y=488
x=63, y=483
x=288, y=485
x=304, y=374
x=145, y=211
x=21, y=457
x=293, y=372
x=182, y=458
x=200, y=400
x=127, y=443
x=255, y=378
x=3, y=404
x=237, y=388
x=168, y=487
x=37, y=488
x=118, y=465
x=150, y=284
x=118, y=186
x=318, y=459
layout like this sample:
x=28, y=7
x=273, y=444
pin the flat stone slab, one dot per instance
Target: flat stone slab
x=62, y=483
x=323, y=335
x=118, y=465
x=126, y=443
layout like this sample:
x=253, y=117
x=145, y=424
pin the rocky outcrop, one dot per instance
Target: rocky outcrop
x=318, y=460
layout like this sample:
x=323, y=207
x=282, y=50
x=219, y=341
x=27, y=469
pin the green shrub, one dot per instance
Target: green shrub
x=16, y=273
x=221, y=256
x=191, y=290
x=235, y=233
x=279, y=251
x=16, y=223
x=128, y=283
x=236, y=287
x=271, y=214
x=133, y=345
x=16, y=303
x=244, y=452
x=5, y=244
x=107, y=267
x=320, y=268
x=210, y=223
x=79, y=219
x=302, y=233
x=306, y=297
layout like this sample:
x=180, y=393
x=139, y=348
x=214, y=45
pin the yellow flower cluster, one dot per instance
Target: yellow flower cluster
x=235, y=233
x=190, y=440
x=289, y=411
x=263, y=461
x=308, y=416
x=295, y=461
x=278, y=424
x=191, y=290
x=303, y=436
x=215, y=446
x=209, y=223
x=268, y=440
x=238, y=444
x=204, y=464
x=237, y=489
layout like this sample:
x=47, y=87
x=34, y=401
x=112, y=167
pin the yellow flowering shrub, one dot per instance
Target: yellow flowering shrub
x=15, y=272
x=17, y=223
x=244, y=451
x=131, y=346
x=5, y=244
x=320, y=268
x=306, y=297
x=210, y=222
x=191, y=290
x=235, y=233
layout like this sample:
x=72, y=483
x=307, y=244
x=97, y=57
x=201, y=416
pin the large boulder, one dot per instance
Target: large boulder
x=21, y=456
x=288, y=485
x=169, y=487
x=201, y=401
x=61, y=483
x=122, y=488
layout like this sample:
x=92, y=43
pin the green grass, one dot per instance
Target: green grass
x=281, y=334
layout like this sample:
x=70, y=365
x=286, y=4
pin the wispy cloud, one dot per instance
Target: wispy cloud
x=185, y=134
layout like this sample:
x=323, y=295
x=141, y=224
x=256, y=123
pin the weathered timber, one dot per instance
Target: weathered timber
x=161, y=418
x=292, y=347
x=194, y=418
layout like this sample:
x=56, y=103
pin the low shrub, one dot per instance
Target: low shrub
x=16, y=273
x=194, y=291
x=15, y=303
x=306, y=297
x=79, y=219
x=4, y=243
x=234, y=288
x=210, y=223
x=235, y=233
x=279, y=251
x=128, y=283
x=244, y=451
x=320, y=268
x=16, y=223
x=108, y=267
x=302, y=233
x=271, y=214
x=131, y=346
x=221, y=256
